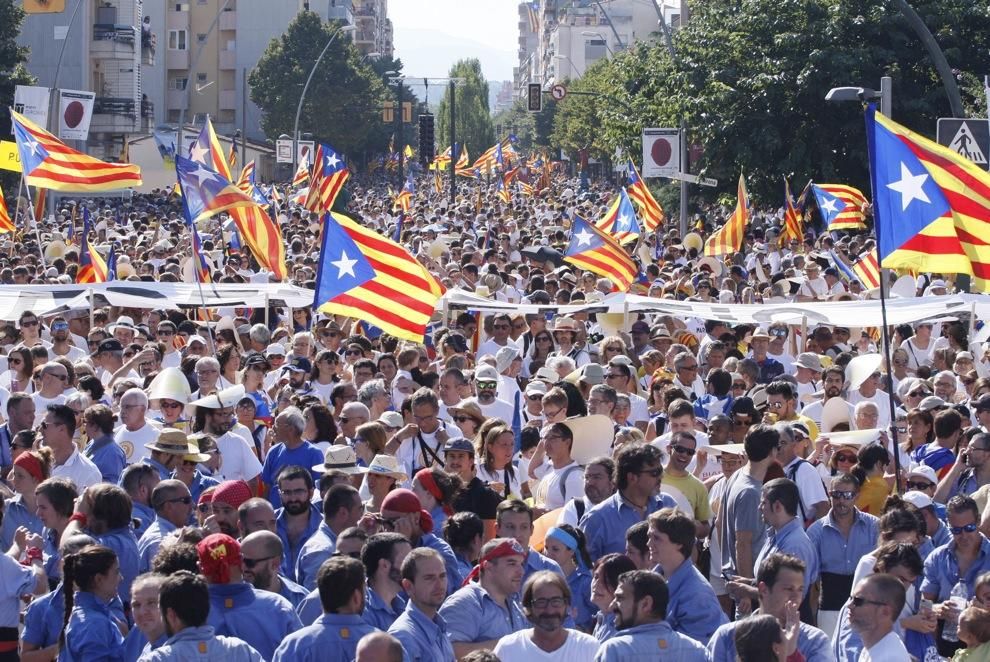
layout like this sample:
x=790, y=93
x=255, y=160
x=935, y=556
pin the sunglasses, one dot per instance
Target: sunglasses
x=655, y=473
x=921, y=487
x=352, y=352
x=462, y=419
x=859, y=601
x=738, y=385
x=918, y=394
x=842, y=495
x=487, y=385
x=171, y=405
x=845, y=457
x=958, y=530
x=251, y=563
x=739, y=421
x=683, y=450
x=29, y=323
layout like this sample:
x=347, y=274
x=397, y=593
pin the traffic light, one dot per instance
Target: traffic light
x=426, y=139
x=535, y=97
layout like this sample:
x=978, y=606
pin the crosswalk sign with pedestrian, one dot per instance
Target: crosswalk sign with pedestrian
x=969, y=138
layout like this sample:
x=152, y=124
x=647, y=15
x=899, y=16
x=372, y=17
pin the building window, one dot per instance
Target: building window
x=177, y=40
x=201, y=38
x=200, y=78
x=182, y=6
x=178, y=83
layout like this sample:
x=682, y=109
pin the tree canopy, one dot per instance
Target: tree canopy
x=12, y=70
x=473, y=125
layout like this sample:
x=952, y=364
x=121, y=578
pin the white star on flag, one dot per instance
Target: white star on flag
x=584, y=238
x=910, y=186
x=332, y=161
x=198, y=153
x=829, y=206
x=203, y=175
x=32, y=145
x=344, y=265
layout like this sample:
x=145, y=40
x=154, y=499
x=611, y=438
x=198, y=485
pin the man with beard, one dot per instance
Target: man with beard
x=546, y=601
x=833, y=384
x=239, y=460
x=227, y=498
x=261, y=553
x=62, y=342
x=184, y=601
x=335, y=635
x=382, y=557
x=486, y=384
x=420, y=628
x=640, y=607
x=342, y=508
x=598, y=486
x=420, y=444
x=298, y=518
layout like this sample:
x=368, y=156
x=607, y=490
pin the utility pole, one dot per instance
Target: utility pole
x=244, y=118
x=398, y=130
x=453, y=138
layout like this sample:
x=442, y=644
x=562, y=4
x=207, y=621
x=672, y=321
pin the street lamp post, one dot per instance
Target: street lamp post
x=302, y=97
x=884, y=96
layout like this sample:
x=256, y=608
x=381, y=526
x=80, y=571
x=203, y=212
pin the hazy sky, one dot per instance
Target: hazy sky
x=430, y=35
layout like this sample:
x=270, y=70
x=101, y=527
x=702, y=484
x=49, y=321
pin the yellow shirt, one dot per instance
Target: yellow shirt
x=872, y=495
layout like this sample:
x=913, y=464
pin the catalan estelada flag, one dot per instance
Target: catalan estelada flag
x=366, y=276
x=205, y=192
x=502, y=191
x=201, y=264
x=488, y=159
x=867, y=269
x=92, y=268
x=404, y=199
x=437, y=182
x=727, y=239
x=592, y=249
x=206, y=150
x=620, y=220
x=841, y=206
x=326, y=179
x=232, y=156
x=246, y=181
x=6, y=223
x=932, y=206
x=792, y=219
x=639, y=193
x=301, y=178
x=49, y=163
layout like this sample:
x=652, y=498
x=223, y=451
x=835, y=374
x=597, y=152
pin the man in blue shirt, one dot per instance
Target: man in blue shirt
x=106, y=454
x=642, y=633
x=298, y=518
x=514, y=519
x=841, y=539
x=335, y=635
x=261, y=552
x=382, y=557
x=20, y=416
x=638, y=472
x=693, y=609
x=483, y=611
x=138, y=480
x=342, y=508
x=780, y=585
x=420, y=628
x=292, y=450
x=173, y=505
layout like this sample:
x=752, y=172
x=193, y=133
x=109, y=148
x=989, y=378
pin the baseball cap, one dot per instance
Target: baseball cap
x=459, y=444
x=299, y=364
x=485, y=373
x=110, y=345
x=924, y=471
x=275, y=349
x=918, y=499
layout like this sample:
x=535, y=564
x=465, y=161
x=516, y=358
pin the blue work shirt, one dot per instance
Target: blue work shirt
x=108, y=457
x=651, y=641
x=812, y=643
x=693, y=609
x=49, y=550
x=16, y=514
x=199, y=484
x=332, y=638
x=305, y=455
x=291, y=591
x=15, y=581
x=290, y=552
x=471, y=615
x=163, y=472
x=43, y=620
x=145, y=515
x=791, y=539
x=942, y=536
x=423, y=639
x=135, y=642
x=377, y=613
x=604, y=626
x=449, y=560
x=318, y=548
x=310, y=608
x=124, y=544
x=464, y=567
x=606, y=524
x=6, y=455
x=835, y=553
x=91, y=633
x=942, y=569
x=200, y=643
x=536, y=562
x=260, y=618
x=582, y=609
x=151, y=540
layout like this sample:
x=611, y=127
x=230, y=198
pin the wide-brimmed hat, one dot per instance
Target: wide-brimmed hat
x=593, y=436
x=387, y=465
x=340, y=458
x=170, y=384
x=467, y=407
x=123, y=322
x=713, y=265
x=505, y=356
x=834, y=412
x=860, y=368
x=228, y=397
x=808, y=360
x=175, y=442
x=854, y=438
x=730, y=449
x=563, y=323
x=590, y=373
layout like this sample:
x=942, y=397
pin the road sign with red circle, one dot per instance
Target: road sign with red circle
x=661, y=152
x=558, y=92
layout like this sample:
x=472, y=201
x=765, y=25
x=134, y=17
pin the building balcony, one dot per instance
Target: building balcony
x=113, y=42
x=114, y=115
x=228, y=20
x=228, y=59
x=178, y=60
x=175, y=99
x=341, y=14
x=228, y=99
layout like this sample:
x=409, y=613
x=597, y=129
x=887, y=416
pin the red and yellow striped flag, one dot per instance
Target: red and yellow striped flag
x=867, y=269
x=792, y=219
x=92, y=267
x=727, y=239
x=50, y=164
x=246, y=181
x=639, y=193
x=301, y=178
x=6, y=224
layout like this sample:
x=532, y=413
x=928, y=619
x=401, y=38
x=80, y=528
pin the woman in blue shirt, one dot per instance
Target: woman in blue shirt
x=148, y=632
x=604, y=581
x=91, y=633
x=465, y=533
x=436, y=490
x=565, y=545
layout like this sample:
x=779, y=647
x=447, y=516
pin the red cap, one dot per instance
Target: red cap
x=218, y=552
x=232, y=492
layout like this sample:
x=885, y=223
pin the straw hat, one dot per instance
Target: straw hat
x=860, y=368
x=834, y=412
x=467, y=407
x=564, y=324
x=175, y=442
x=693, y=240
x=340, y=458
x=228, y=397
x=170, y=384
x=387, y=465
x=715, y=266
x=593, y=437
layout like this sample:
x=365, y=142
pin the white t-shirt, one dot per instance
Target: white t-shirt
x=638, y=409
x=133, y=443
x=578, y=647
x=172, y=360
x=498, y=409
x=74, y=354
x=41, y=405
x=238, y=461
x=79, y=469
x=548, y=493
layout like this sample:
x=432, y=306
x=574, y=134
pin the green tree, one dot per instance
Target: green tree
x=473, y=121
x=12, y=73
x=344, y=100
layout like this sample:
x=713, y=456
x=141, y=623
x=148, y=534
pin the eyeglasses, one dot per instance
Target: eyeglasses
x=352, y=352
x=842, y=495
x=543, y=603
x=166, y=404
x=959, y=530
x=844, y=457
x=859, y=601
x=655, y=473
x=183, y=500
x=166, y=332
x=485, y=385
x=250, y=563
x=683, y=450
x=29, y=323
x=462, y=419
x=550, y=414
x=689, y=367
x=976, y=448
x=921, y=487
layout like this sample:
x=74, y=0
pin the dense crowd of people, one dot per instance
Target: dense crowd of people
x=284, y=484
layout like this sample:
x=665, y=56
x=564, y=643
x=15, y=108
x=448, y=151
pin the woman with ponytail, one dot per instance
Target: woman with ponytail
x=30, y=469
x=91, y=633
x=871, y=463
x=566, y=545
x=437, y=490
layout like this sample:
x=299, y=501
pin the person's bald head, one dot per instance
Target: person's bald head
x=378, y=647
x=261, y=543
x=261, y=556
x=256, y=514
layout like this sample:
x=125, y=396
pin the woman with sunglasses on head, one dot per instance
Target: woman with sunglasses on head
x=20, y=368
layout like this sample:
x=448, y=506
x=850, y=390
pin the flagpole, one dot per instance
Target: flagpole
x=37, y=229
